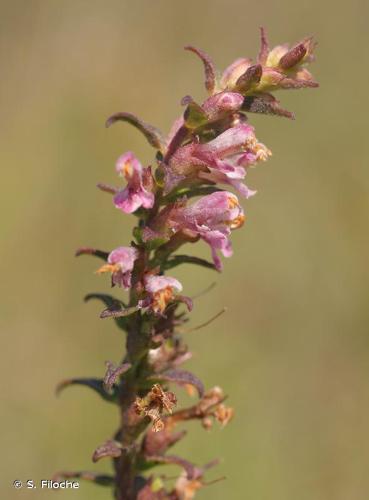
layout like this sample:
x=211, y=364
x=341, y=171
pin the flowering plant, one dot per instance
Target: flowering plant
x=184, y=198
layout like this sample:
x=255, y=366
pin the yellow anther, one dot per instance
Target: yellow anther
x=233, y=202
x=126, y=170
x=108, y=268
x=161, y=299
x=238, y=221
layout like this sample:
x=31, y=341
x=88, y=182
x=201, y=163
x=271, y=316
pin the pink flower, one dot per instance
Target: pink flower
x=212, y=218
x=160, y=292
x=120, y=265
x=139, y=180
x=222, y=160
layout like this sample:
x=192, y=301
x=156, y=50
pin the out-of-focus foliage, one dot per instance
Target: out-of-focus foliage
x=293, y=348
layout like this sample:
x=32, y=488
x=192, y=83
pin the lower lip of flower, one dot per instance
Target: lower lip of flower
x=258, y=149
x=108, y=268
x=161, y=299
x=233, y=202
x=237, y=222
x=126, y=170
x=262, y=152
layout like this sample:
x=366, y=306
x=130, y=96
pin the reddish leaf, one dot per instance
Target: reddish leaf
x=110, y=449
x=182, y=377
x=107, y=188
x=113, y=304
x=95, y=384
x=264, y=47
x=92, y=251
x=265, y=104
x=296, y=83
x=152, y=134
x=208, y=66
x=113, y=373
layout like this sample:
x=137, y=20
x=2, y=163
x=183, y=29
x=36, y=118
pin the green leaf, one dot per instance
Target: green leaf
x=95, y=384
x=194, y=116
x=176, y=260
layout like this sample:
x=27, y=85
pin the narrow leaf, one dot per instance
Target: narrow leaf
x=112, y=303
x=176, y=260
x=296, y=83
x=208, y=66
x=264, y=46
x=213, y=318
x=95, y=477
x=185, y=300
x=110, y=449
x=92, y=251
x=152, y=134
x=182, y=377
x=113, y=373
x=118, y=312
x=106, y=188
x=95, y=384
x=265, y=104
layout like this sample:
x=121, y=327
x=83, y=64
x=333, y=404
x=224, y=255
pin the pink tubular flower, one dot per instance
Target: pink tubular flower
x=136, y=193
x=160, y=292
x=212, y=218
x=120, y=265
x=222, y=160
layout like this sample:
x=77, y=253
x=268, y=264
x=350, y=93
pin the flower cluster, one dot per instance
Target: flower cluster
x=186, y=195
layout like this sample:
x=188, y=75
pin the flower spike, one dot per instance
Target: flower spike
x=187, y=194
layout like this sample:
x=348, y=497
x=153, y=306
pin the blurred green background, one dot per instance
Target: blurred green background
x=293, y=349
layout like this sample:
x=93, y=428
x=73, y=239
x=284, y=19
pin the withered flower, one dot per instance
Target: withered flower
x=154, y=404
